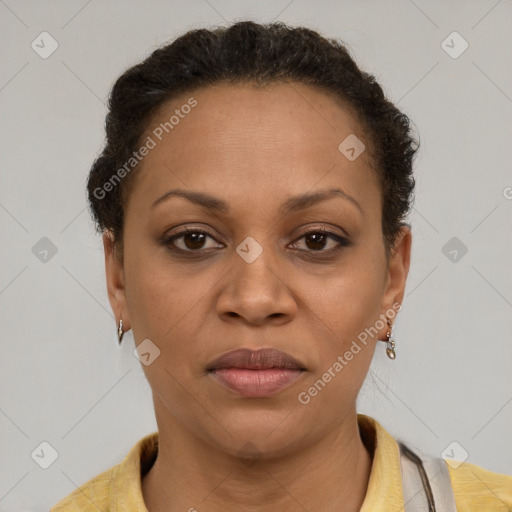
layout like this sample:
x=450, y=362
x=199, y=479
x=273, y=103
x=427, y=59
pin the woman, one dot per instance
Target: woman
x=252, y=196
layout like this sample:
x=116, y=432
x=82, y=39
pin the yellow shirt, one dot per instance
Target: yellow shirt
x=475, y=489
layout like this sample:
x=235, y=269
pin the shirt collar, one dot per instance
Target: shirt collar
x=126, y=484
x=384, y=486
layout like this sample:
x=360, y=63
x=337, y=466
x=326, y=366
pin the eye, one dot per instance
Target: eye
x=318, y=239
x=190, y=240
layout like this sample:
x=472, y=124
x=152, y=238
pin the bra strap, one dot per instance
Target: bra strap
x=426, y=482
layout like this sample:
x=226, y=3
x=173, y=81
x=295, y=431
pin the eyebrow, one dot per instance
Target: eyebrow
x=292, y=204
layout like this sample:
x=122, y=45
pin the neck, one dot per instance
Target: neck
x=190, y=474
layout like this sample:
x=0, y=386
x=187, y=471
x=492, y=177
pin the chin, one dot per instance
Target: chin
x=259, y=434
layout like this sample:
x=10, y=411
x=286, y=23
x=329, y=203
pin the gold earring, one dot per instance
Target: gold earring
x=390, y=349
x=120, y=331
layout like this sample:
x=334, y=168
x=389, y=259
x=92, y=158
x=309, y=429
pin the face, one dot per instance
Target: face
x=283, y=249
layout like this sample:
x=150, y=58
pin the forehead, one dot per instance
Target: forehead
x=248, y=117
x=285, y=136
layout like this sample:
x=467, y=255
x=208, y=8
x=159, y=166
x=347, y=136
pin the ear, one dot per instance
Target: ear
x=115, y=281
x=398, y=269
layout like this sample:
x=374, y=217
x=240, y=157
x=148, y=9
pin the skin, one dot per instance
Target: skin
x=254, y=148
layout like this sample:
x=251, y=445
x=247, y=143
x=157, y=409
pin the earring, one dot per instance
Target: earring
x=390, y=349
x=120, y=331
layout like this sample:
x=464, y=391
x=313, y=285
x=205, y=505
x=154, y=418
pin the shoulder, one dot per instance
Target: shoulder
x=476, y=488
x=91, y=496
x=118, y=487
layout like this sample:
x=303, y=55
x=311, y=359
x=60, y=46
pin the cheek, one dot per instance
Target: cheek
x=351, y=297
x=346, y=317
x=344, y=314
x=161, y=298
x=167, y=307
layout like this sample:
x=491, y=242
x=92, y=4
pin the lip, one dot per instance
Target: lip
x=262, y=359
x=256, y=374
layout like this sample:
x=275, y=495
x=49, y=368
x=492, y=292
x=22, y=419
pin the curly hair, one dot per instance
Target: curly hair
x=248, y=52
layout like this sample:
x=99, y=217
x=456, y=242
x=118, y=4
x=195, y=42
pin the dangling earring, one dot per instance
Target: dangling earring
x=120, y=331
x=390, y=349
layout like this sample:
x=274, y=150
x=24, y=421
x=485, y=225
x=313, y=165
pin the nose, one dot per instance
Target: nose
x=257, y=292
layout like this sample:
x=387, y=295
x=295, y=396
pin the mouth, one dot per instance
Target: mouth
x=263, y=359
x=256, y=374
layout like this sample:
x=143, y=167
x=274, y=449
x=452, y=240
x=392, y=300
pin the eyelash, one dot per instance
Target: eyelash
x=342, y=242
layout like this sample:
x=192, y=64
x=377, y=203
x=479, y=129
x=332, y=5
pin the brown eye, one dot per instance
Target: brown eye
x=189, y=241
x=194, y=240
x=318, y=240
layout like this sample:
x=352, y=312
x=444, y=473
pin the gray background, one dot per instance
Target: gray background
x=63, y=379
